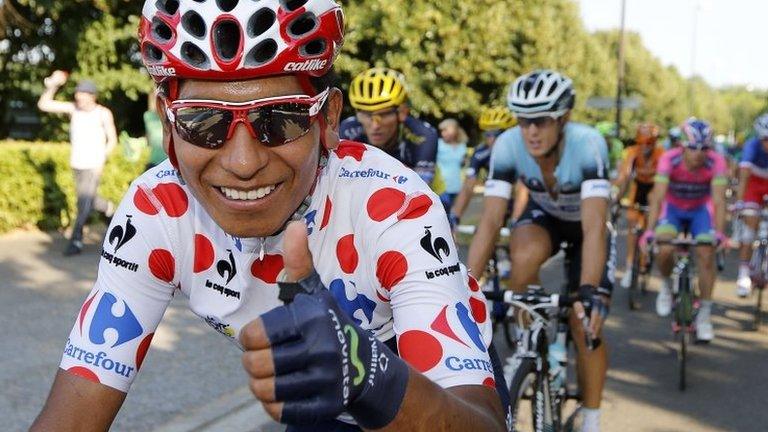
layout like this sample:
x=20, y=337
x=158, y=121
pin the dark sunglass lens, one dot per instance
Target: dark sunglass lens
x=282, y=123
x=203, y=127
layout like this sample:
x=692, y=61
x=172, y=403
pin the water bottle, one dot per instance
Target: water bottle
x=503, y=264
x=557, y=361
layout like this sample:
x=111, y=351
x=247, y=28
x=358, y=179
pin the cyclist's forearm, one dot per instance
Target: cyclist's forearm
x=743, y=179
x=458, y=408
x=593, y=249
x=462, y=201
x=718, y=202
x=483, y=241
x=654, y=204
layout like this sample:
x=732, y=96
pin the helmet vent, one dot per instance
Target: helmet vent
x=167, y=6
x=152, y=53
x=194, y=55
x=194, y=24
x=313, y=48
x=292, y=5
x=161, y=31
x=227, y=5
x=262, y=53
x=303, y=25
x=226, y=39
x=260, y=22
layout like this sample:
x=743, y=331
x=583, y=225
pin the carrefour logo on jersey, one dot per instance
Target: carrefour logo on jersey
x=113, y=324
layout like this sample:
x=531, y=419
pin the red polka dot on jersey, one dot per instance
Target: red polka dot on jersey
x=420, y=349
x=326, y=212
x=381, y=297
x=173, y=198
x=142, y=202
x=267, y=269
x=473, y=285
x=203, y=253
x=141, y=352
x=384, y=203
x=417, y=207
x=347, y=254
x=162, y=265
x=489, y=382
x=84, y=310
x=478, y=310
x=85, y=373
x=391, y=268
x=351, y=149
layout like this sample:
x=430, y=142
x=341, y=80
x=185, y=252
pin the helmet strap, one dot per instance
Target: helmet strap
x=173, y=94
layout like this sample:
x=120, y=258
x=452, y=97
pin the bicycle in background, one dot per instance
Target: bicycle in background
x=685, y=300
x=539, y=364
x=758, y=264
x=496, y=272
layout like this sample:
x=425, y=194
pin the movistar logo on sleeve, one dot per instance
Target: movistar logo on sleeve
x=354, y=358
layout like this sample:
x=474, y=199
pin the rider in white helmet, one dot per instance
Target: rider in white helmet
x=565, y=167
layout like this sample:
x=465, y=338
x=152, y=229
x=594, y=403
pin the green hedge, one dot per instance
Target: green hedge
x=37, y=187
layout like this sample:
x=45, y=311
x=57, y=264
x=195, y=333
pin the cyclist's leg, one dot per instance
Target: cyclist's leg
x=530, y=245
x=668, y=227
x=634, y=218
x=591, y=365
x=702, y=230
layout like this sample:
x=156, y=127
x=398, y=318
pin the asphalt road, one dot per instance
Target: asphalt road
x=192, y=379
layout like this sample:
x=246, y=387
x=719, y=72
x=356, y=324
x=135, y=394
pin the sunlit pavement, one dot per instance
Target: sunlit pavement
x=192, y=378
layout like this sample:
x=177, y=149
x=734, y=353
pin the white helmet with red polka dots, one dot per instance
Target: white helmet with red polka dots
x=239, y=39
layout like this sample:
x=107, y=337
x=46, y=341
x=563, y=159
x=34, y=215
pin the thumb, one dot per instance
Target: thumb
x=296, y=255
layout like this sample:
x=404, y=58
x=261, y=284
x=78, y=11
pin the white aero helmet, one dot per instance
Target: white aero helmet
x=761, y=126
x=541, y=93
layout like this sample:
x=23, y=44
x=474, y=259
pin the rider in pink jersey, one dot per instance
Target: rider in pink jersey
x=689, y=197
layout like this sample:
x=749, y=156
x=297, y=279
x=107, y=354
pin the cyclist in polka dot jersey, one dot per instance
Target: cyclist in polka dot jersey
x=401, y=321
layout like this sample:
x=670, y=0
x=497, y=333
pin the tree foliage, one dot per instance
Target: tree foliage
x=457, y=56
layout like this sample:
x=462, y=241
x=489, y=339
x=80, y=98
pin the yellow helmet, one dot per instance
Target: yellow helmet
x=496, y=118
x=377, y=89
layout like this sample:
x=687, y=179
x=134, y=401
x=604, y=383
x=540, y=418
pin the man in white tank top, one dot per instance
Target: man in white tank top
x=93, y=136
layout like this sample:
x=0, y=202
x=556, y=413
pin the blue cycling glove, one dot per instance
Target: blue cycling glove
x=326, y=364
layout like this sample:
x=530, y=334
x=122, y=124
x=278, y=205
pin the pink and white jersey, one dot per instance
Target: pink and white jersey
x=380, y=241
x=690, y=189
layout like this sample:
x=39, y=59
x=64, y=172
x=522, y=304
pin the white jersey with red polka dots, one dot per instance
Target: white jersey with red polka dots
x=379, y=239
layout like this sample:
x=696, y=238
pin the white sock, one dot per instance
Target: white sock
x=591, y=420
x=743, y=270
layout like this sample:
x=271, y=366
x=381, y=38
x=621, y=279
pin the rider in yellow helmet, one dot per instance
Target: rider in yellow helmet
x=383, y=120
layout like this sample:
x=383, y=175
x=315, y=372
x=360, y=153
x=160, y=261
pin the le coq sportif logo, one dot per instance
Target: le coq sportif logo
x=226, y=268
x=437, y=247
x=122, y=234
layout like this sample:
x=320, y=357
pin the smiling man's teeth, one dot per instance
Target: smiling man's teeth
x=254, y=194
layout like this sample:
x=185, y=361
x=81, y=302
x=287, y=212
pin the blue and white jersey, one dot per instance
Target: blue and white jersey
x=416, y=148
x=480, y=160
x=581, y=173
x=755, y=158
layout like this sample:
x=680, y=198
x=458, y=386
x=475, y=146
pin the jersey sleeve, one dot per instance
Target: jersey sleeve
x=136, y=281
x=503, y=173
x=719, y=170
x=478, y=161
x=594, y=167
x=423, y=141
x=749, y=154
x=664, y=169
x=441, y=324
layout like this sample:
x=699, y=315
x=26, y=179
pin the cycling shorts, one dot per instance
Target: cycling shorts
x=697, y=221
x=639, y=193
x=568, y=236
x=757, y=187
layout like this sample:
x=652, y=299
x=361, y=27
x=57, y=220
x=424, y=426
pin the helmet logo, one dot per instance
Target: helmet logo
x=161, y=70
x=307, y=65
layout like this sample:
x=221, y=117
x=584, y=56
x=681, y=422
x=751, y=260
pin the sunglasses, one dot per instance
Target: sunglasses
x=697, y=147
x=538, y=121
x=378, y=117
x=492, y=133
x=273, y=121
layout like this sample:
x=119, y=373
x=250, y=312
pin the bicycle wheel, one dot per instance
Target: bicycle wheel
x=531, y=386
x=759, y=284
x=683, y=357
